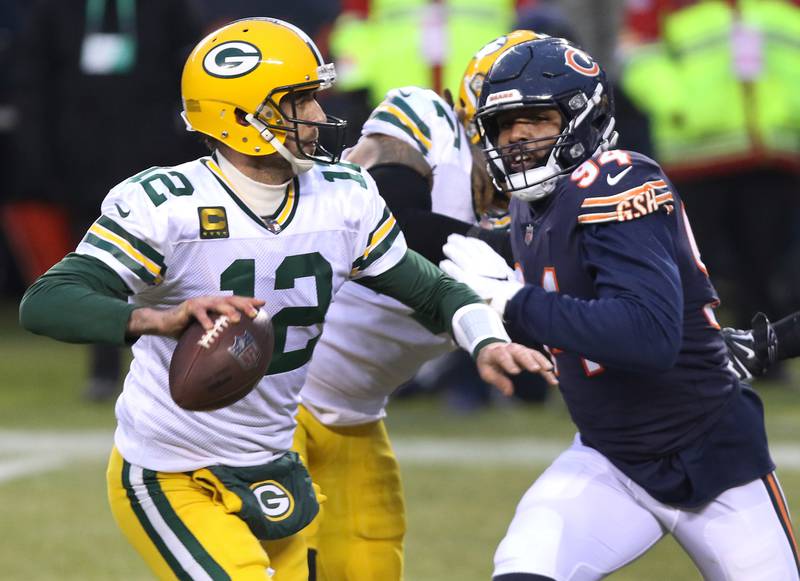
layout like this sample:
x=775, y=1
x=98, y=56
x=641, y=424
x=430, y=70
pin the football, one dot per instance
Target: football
x=213, y=369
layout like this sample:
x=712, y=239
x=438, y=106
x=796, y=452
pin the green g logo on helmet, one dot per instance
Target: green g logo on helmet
x=232, y=59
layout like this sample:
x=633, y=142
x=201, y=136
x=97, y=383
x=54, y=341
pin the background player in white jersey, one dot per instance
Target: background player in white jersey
x=261, y=219
x=416, y=148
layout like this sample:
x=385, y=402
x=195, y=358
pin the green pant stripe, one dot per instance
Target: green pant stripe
x=167, y=555
x=214, y=570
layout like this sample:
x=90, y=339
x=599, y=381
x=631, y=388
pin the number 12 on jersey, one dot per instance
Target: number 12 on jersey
x=240, y=278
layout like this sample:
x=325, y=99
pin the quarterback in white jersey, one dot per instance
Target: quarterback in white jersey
x=330, y=226
x=340, y=430
x=271, y=215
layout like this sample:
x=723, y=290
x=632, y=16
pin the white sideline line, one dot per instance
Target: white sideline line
x=20, y=467
x=87, y=443
x=27, y=452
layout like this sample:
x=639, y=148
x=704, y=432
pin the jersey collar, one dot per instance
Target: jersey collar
x=275, y=223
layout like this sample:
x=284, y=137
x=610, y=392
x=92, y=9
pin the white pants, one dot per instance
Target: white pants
x=583, y=519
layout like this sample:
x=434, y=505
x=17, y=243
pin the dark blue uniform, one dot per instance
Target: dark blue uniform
x=616, y=289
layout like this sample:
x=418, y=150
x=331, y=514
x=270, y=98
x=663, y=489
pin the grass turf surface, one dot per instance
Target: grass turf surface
x=57, y=524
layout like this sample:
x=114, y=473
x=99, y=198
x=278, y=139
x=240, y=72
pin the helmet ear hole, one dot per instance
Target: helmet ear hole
x=241, y=117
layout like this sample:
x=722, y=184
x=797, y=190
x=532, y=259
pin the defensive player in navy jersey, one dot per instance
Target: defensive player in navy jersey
x=669, y=440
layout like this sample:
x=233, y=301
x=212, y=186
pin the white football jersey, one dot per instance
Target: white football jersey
x=177, y=233
x=373, y=343
x=425, y=121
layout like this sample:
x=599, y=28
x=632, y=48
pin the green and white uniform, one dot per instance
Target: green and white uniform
x=176, y=233
x=373, y=343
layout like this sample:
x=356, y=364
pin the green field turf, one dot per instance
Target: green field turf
x=56, y=524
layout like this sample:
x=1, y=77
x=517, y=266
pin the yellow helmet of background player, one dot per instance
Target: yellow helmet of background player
x=470, y=89
x=235, y=78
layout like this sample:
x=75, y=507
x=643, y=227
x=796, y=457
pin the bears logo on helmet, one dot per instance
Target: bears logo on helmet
x=573, y=58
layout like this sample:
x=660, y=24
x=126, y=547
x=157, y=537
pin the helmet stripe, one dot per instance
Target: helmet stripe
x=311, y=45
x=307, y=39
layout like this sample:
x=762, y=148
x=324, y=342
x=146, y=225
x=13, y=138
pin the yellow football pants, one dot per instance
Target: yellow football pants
x=184, y=531
x=358, y=536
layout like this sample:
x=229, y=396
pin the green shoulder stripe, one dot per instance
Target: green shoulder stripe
x=138, y=177
x=353, y=166
x=400, y=103
x=137, y=243
x=385, y=216
x=331, y=176
x=122, y=257
x=389, y=118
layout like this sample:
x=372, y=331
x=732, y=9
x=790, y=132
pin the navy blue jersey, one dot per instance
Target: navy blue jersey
x=617, y=291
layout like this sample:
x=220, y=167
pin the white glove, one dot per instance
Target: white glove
x=473, y=262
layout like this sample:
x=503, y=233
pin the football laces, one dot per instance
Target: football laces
x=208, y=338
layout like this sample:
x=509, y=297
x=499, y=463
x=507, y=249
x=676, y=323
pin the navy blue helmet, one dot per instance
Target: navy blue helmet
x=553, y=73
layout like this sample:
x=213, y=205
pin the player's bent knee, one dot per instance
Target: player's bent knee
x=522, y=577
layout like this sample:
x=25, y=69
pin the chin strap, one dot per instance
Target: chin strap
x=299, y=165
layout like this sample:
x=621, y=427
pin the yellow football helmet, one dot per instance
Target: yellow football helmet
x=235, y=78
x=470, y=89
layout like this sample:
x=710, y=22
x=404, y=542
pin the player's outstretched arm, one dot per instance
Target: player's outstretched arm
x=81, y=300
x=452, y=306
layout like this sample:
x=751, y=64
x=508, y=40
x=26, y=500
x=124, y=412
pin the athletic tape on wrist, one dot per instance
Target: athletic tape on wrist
x=477, y=322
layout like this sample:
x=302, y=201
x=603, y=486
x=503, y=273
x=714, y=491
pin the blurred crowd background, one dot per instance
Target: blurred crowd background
x=90, y=95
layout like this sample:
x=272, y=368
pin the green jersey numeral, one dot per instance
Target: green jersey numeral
x=240, y=278
x=345, y=175
x=175, y=183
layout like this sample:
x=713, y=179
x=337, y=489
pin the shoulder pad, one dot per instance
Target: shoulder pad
x=617, y=186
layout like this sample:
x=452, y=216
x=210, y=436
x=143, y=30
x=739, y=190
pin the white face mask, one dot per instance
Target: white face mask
x=534, y=184
x=530, y=185
x=539, y=182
